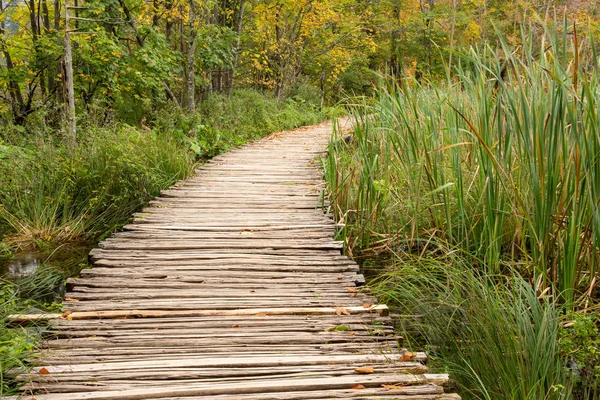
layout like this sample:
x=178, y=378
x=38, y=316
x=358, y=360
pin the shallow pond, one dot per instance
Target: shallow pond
x=41, y=275
x=21, y=267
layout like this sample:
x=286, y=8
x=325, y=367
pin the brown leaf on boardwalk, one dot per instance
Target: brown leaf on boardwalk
x=66, y=314
x=261, y=314
x=408, y=356
x=70, y=299
x=44, y=371
x=367, y=305
x=352, y=289
x=358, y=387
x=351, y=333
x=235, y=326
x=340, y=276
x=364, y=370
x=352, y=295
x=341, y=311
x=392, y=387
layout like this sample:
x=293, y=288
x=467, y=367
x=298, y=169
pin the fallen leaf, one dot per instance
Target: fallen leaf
x=358, y=387
x=341, y=311
x=235, y=326
x=364, y=370
x=340, y=276
x=392, y=387
x=70, y=299
x=338, y=328
x=408, y=356
x=367, y=305
x=353, y=295
x=352, y=289
x=44, y=371
x=351, y=333
x=261, y=314
x=66, y=314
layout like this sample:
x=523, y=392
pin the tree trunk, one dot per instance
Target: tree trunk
x=190, y=68
x=236, y=56
x=452, y=33
x=33, y=21
x=155, y=17
x=46, y=17
x=322, y=82
x=70, y=90
x=169, y=22
x=14, y=90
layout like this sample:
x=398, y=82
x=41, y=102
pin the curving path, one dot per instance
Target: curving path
x=230, y=286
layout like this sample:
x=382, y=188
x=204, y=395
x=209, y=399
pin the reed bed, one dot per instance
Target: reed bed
x=493, y=178
x=501, y=161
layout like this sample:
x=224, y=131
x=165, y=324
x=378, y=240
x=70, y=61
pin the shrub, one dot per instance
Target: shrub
x=229, y=121
x=54, y=194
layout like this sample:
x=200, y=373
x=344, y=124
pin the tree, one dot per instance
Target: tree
x=69, y=87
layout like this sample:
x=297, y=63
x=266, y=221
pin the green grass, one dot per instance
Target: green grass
x=51, y=194
x=499, y=341
x=485, y=188
x=229, y=121
x=40, y=292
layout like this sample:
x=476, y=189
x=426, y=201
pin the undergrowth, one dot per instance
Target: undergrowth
x=38, y=293
x=484, y=189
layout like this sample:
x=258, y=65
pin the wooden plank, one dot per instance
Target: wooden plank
x=213, y=389
x=149, y=313
x=202, y=362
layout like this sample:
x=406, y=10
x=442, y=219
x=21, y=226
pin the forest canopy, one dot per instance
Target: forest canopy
x=133, y=57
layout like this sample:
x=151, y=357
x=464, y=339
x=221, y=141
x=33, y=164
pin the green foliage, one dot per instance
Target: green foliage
x=579, y=342
x=502, y=167
x=55, y=194
x=34, y=294
x=52, y=194
x=215, y=48
x=488, y=183
x=358, y=79
x=229, y=121
x=497, y=338
x=16, y=344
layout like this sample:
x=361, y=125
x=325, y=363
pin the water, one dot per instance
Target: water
x=21, y=267
x=40, y=276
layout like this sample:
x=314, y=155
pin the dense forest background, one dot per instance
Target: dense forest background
x=133, y=59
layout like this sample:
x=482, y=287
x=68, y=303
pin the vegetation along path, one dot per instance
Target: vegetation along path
x=230, y=286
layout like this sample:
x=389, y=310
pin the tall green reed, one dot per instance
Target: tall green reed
x=499, y=340
x=501, y=161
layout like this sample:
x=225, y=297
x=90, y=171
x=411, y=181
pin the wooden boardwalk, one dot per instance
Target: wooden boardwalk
x=230, y=286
